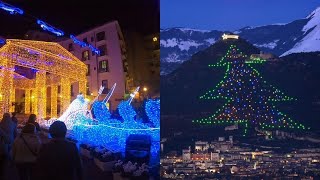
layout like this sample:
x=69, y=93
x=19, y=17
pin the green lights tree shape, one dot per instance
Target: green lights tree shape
x=249, y=98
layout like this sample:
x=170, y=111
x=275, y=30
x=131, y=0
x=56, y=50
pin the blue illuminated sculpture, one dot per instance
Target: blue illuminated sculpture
x=11, y=9
x=50, y=28
x=103, y=130
x=153, y=111
x=99, y=108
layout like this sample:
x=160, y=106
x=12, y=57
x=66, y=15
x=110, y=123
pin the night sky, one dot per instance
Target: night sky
x=232, y=14
x=75, y=16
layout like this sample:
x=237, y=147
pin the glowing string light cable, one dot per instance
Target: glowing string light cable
x=45, y=26
x=133, y=94
x=106, y=99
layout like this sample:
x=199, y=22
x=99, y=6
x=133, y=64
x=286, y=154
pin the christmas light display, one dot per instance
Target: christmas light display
x=52, y=64
x=100, y=109
x=45, y=26
x=2, y=41
x=249, y=98
x=153, y=111
x=50, y=28
x=11, y=9
x=75, y=112
x=83, y=44
x=126, y=111
x=108, y=132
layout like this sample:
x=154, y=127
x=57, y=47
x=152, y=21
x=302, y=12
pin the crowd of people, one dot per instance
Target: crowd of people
x=57, y=159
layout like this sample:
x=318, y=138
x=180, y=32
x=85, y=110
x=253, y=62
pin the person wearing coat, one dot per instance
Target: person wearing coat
x=25, y=150
x=59, y=159
x=6, y=139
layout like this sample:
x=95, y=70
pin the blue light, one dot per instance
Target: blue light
x=95, y=50
x=49, y=28
x=83, y=44
x=10, y=9
x=100, y=111
x=153, y=111
x=126, y=111
x=2, y=41
x=77, y=41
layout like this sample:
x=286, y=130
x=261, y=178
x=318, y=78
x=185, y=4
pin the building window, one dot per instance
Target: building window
x=93, y=53
x=103, y=66
x=70, y=47
x=85, y=55
x=105, y=85
x=92, y=38
x=88, y=69
x=103, y=50
x=101, y=36
x=85, y=40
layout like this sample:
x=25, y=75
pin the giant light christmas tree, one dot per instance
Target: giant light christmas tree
x=249, y=99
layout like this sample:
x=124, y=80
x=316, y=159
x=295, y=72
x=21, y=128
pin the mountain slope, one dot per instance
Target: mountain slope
x=311, y=40
x=179, y=44
x=296, y=75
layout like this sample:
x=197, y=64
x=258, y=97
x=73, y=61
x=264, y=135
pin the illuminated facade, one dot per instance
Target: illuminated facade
x=49, y=65
x=230, y=36
x=107, y=68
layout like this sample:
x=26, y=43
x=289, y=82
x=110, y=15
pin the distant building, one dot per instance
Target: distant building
x=201, y=146
x=144, y=63
x=231, y=128
x=266, y=56
x=186, y=154
x=215, y=156
x=230, y=36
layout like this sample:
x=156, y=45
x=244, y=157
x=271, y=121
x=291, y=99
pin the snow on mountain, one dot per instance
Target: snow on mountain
x=183, y=45
x=302, y=35
x=270, y=45
x=311, y=40
x=211, y=40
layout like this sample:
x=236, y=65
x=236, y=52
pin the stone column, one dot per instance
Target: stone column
x=7, y=85
x=54, y=100
x=12, y=98
x=27, y=99
x=40, y=95
x=65, y=94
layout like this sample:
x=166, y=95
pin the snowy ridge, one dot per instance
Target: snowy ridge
x=311, y=40
x=186, y=29
x=183, y=45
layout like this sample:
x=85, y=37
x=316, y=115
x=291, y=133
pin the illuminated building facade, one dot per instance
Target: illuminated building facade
x=107, y=68
x=37, y=69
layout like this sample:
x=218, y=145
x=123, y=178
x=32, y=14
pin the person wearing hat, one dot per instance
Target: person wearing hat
x=59, y=159
x=25, y=150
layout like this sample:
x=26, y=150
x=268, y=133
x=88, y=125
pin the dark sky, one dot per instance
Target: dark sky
x=75, y=16
x=232, y=14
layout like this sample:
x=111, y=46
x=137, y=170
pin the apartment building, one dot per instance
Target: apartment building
x=108, y=67
x=144, y=62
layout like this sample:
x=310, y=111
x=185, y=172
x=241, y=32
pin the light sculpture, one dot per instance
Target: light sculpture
x=249, y=99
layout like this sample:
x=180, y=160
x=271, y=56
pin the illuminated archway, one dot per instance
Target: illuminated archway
x=52, y=65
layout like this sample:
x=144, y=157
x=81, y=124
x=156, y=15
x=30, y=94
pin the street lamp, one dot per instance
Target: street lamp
x=145, y=89
x=155, y=39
